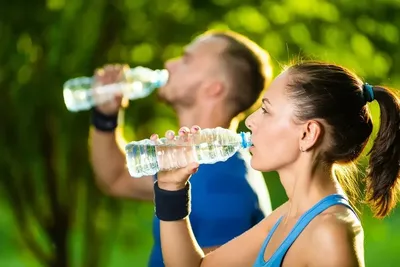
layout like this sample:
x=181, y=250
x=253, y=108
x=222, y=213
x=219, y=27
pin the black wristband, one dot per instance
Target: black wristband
x=172, y=205
x=103, y=122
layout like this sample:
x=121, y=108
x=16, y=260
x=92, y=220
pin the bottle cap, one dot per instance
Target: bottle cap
x=246, y=139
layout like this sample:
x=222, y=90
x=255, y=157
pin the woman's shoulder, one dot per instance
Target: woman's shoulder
x=336, y=236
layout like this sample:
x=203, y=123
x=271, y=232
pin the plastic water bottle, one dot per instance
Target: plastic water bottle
x=81, y=94
x=207, y=147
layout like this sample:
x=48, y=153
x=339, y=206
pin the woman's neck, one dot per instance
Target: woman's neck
x=306, y=185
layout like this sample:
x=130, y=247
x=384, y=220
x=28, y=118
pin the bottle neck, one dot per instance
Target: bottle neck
x=162, y=78
x=245, y=138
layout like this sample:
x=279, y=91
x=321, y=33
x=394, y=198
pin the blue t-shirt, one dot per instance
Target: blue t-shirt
x=226, y=200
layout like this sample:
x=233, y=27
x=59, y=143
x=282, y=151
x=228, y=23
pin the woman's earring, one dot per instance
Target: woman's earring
x=301, y=149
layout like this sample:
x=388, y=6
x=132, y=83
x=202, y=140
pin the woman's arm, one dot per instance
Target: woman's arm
x=172, y=206
x=180, y=248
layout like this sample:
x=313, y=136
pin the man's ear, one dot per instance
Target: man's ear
x=213, y=89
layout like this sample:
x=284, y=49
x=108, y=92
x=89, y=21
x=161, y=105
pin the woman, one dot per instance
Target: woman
x=313, y=118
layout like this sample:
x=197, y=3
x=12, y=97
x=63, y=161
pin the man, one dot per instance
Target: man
x=219, y=76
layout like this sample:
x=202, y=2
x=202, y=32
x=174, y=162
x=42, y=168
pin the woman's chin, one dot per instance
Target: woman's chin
x=259, y=166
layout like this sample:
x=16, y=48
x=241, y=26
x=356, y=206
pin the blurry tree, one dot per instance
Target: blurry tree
x=46, y=175
x=45, y=170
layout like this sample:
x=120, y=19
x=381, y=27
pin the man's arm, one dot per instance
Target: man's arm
x=109, y=165
x=107, y=147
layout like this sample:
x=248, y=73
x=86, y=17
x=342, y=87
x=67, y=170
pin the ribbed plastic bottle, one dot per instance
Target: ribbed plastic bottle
x=139, y=82
x=206, y=147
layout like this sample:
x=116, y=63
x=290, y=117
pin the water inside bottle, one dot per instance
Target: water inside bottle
x=207, y=147
x=172, y=157
x=82, y=96
x=148, y=159
x=77, y=95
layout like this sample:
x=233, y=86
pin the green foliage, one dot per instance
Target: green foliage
x=52, y=212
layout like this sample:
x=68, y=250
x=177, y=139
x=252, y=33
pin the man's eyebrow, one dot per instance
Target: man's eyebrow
x=186, y=53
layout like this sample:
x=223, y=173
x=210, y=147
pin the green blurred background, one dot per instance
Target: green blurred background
x=51, y=213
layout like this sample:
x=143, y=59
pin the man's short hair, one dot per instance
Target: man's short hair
x=249, y=68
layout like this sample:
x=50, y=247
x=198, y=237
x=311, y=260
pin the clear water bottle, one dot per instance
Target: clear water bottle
x=207, y=147
x=80, y=93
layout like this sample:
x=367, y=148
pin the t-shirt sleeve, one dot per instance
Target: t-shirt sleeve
x=222, y=207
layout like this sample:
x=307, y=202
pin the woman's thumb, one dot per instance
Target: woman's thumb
x=191, y=168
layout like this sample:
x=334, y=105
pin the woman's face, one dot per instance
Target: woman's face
x=275, y=135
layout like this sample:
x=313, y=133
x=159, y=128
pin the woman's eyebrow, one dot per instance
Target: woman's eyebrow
x=266, y=100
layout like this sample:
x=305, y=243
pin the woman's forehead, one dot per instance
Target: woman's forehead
x=277, y=88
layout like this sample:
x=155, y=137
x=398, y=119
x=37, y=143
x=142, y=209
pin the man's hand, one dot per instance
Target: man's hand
x=110, y=74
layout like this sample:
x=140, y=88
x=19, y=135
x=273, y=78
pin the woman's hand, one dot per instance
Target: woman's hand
x=177, y=179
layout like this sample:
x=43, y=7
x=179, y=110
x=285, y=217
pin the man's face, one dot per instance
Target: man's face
x=192, y=72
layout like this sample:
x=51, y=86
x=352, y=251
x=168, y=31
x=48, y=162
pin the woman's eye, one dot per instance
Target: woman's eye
x=264, y=111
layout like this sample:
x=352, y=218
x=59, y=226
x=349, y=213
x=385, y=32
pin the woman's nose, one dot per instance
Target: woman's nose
x=248, y=122
x=251, y=121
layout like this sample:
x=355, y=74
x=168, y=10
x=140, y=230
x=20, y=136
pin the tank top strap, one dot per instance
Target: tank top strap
x=305, y=219
x=260, y=258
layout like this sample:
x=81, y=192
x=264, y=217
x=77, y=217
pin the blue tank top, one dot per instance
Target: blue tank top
x=277, y=258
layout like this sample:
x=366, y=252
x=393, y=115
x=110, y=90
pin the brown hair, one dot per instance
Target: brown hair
x=338, y=97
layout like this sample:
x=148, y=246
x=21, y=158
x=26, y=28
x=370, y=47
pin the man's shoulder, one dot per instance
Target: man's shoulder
x=234, y=174
x=232, y=181
x=238, y=164
x=234, y=166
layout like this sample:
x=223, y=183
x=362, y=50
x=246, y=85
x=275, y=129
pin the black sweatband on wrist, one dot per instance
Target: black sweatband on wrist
x=172, y=205
x=103, y=122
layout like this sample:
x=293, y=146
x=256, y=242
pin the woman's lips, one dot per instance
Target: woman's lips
x=251, y=148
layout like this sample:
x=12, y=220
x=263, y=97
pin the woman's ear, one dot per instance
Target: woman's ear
x=310, y=135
